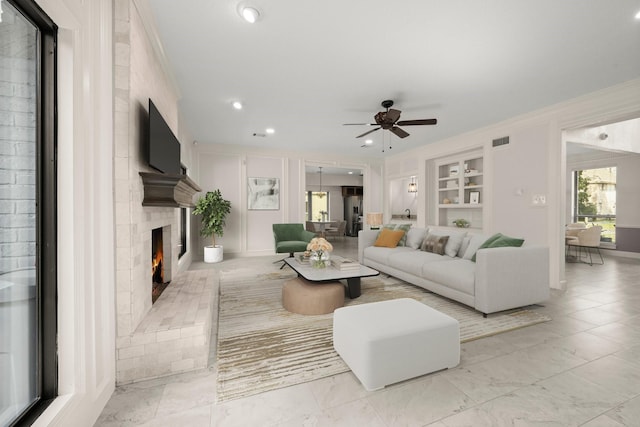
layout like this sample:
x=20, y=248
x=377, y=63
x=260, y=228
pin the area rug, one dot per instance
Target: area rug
x=263, y=347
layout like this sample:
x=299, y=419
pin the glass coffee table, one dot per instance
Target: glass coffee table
x=331, y=273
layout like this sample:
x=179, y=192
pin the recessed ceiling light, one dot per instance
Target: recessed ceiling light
x=369, y=141
x=250, y=14
x=638, y=15
x=237, y=105
x=350, y=172
x=270, y=131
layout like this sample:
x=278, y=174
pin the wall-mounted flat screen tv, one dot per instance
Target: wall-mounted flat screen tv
x=163, y=147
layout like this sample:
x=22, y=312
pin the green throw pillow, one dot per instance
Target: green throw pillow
x=486, y=244
x=505, y=241
x=501, y=241
x=403, y=227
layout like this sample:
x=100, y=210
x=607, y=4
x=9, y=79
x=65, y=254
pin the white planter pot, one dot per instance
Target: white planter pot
x=213, y=253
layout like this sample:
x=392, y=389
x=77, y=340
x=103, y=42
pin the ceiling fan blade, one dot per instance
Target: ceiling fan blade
x=392, y=116
x=367, y=133
x=399, y=132
x=417, y=122
x=359, y=124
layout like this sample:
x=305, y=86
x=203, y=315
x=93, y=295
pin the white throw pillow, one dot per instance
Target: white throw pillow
x=475, y=242
x=454, y=242
x=415, y=236
x=464, y=245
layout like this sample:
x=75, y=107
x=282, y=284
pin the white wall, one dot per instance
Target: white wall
x=533, y=163
x=248, y=232
x=86, y=290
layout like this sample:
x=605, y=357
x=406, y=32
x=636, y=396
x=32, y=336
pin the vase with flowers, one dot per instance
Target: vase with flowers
x=320, y=250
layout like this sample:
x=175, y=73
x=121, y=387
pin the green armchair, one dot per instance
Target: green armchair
x=290, y=238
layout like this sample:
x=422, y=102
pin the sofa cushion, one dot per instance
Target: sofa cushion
x=403, y=227
x=474, y=243
x=381, y=255
x=434, y=244
x=454, y=242
x=388, y=238
x=412, y=261
x=458, y=274
x=415, y=236
x=505, y=241
x=486, y=244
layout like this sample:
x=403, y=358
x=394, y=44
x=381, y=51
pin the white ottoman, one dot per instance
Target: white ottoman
x=390, y=341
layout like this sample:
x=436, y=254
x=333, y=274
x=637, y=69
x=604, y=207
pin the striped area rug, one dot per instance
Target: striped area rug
x=263, y=347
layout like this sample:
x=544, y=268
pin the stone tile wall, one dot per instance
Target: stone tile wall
x=142, y=351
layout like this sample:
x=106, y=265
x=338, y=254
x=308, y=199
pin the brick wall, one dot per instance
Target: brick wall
x=17, y=147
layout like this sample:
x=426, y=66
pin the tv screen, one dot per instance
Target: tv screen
x=163, y=148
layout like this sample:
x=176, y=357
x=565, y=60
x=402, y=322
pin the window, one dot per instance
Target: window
x=183, y=224
x=594, y=199
x=28, y=357
x=317, y=204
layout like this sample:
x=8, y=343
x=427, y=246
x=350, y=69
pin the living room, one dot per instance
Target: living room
x=111, y=64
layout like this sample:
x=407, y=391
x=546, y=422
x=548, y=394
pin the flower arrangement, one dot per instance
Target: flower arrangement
x=320, y=249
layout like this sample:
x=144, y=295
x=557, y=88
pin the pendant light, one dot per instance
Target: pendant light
x=320, y=193
x=413, y=187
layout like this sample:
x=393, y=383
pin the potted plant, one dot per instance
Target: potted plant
x=214, y=210
x=462, y=223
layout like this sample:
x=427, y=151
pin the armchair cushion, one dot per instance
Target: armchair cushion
x=291, y=238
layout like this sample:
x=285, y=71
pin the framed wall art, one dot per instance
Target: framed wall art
x=264, y=193
x=474, y=197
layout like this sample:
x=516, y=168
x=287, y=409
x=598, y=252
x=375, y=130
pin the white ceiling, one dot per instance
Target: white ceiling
x=307, y=67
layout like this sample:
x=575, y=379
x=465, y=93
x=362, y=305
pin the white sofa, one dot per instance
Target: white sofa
x=500, y=279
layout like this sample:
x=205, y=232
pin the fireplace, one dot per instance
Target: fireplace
x=160, y=260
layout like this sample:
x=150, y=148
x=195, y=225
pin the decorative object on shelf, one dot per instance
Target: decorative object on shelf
x=474, y=197
x=461, y=223
x=453, y=170
x=446, y=201
x=374, y=219
x=320, y=250
x=264, y=193
x=214, y=210
x=413, y=187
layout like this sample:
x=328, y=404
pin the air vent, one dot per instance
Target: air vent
x=501, y=141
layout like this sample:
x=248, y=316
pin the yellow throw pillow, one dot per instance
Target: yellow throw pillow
x=389, y=238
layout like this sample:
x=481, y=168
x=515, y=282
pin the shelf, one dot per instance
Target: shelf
x=471, y=187
x=459, y=206
x=448, y=189
x=471, y=175
x=449, y=178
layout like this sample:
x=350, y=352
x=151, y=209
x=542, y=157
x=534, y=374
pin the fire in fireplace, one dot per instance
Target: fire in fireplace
x=157, y=264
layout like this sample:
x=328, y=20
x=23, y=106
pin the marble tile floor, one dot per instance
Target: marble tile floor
x=580, y=369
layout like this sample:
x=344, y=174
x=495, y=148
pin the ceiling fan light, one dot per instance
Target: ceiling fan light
x=250, y=14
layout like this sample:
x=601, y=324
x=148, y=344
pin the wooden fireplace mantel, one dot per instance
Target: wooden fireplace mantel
x=168, y=190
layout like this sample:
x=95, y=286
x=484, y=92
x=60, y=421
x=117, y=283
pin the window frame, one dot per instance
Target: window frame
x=46, y=210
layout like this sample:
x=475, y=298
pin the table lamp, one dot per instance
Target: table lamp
x=374, y=219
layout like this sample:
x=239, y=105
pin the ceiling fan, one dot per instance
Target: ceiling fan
x=389, y=120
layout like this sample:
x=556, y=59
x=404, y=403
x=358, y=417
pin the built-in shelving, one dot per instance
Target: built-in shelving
x=459, y=181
